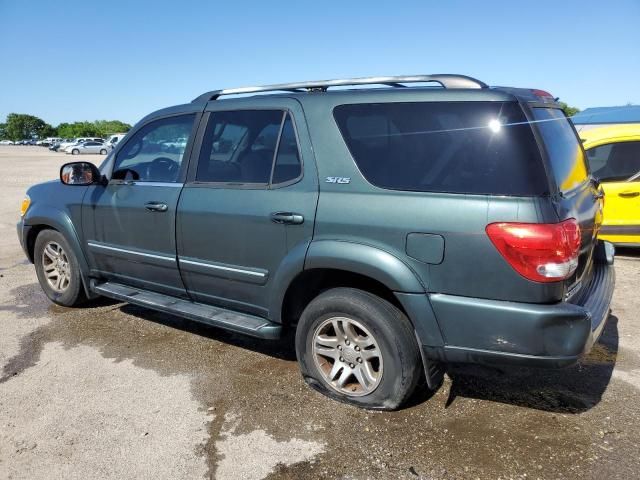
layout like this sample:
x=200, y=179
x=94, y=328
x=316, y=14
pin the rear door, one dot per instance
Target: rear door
x=617, y=166
x=129, y=224
x=247, y=211
x=576, y=196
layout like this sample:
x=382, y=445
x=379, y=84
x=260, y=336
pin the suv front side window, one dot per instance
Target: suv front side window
x=146, y=156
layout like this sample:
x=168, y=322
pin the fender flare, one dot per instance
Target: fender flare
x=365, y=260
x=387, y=269
x=48, y=216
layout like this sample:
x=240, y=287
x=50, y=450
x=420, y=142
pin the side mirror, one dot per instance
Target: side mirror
x=80, y=173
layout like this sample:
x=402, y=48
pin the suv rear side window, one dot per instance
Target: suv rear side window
x=239, y=147
x=614, y=161
x=563, y=148
x=454, y=147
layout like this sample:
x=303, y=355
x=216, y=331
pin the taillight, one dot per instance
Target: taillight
x=542, y=252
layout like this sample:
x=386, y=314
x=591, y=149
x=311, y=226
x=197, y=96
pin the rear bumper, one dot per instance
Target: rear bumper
x=545, y=335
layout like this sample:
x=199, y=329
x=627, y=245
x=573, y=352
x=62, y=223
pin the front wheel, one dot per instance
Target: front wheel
x=57, y=269
x=357, y=348
x=75, y=151
x=103, y=152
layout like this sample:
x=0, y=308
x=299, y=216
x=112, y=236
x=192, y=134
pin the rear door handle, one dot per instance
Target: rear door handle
x=156, y=207
x=629, y=194
x=288, y=218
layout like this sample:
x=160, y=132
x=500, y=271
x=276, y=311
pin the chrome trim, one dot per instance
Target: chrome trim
x=146, y=184
x=226, y=269
x=131, y=252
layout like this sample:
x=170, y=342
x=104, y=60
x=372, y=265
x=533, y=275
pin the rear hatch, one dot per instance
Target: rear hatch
x=576, y=196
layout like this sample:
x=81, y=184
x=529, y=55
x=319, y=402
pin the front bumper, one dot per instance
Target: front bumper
x=23, y=232
x=546, y=335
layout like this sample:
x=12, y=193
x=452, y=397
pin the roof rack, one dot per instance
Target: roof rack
x=446, y=80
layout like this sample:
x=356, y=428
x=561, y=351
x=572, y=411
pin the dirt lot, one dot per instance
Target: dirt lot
x=116, y=391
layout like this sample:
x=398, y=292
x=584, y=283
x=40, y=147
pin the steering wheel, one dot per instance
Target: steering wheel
x=162, y=167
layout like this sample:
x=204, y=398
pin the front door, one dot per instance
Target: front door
x=247, y=205
x=129, y=224
x=617, y=166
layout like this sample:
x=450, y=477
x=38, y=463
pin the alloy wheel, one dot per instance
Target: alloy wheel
x=57, y=269
x=347, y=356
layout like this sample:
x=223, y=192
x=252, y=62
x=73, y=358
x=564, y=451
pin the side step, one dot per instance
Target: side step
x=217, y=317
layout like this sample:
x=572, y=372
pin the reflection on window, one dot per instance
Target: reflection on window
x=154, y=153
x=563, y=148
x=239, y=147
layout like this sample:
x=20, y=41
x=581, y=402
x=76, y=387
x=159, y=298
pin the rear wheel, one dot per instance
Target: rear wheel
x=57, y=269
x=358, y=348
x=103, y=152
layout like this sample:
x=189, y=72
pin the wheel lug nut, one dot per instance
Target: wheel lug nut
x=359, y=360
x=351, y=365
x=357, y=349
x=339, y=347
x=341, y=359
x=347, y=342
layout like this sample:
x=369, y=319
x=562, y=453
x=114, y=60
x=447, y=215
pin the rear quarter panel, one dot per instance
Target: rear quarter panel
x=362, y=213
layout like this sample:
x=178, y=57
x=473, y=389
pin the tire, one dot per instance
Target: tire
x=71, y=291
x=75, y=151
x=103, y=152
x=379, y=328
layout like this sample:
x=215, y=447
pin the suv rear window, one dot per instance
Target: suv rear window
x=454, y=147
x=563, y=148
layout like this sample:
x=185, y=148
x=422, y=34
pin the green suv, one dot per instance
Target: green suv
x=395, y=226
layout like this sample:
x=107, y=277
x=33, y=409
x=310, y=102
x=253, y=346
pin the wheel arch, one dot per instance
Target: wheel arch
x=44, y=217
x=331, y=264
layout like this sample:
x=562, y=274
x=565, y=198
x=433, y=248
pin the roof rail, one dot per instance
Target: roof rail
x=446, y=80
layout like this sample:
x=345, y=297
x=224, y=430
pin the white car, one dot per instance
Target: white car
x=64, y=145
x=6, y=142
x=87, y=147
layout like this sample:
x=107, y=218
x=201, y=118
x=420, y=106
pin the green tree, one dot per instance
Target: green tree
x=109, y=127
x=98, y=128
x=3, y=131
x=20, y=126
x=77, y=129
x=569, y=111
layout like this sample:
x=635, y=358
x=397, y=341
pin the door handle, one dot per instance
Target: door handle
x=628, y=194
x=289, y=218
x=156, y=206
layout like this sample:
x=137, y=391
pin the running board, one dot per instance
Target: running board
x=216, y=317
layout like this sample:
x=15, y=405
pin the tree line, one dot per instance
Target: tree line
x=20, y=126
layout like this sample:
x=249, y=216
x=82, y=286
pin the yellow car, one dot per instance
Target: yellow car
x=613, y=153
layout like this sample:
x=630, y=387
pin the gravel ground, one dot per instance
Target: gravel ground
x=116, y=391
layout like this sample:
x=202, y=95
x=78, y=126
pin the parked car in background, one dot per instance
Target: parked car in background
x=87, y=147
x=613, y=152
x=6, y=142
x=394, y=229
x=113, y=140
x=78, y=141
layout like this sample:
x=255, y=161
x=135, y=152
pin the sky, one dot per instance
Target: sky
x=85, y=60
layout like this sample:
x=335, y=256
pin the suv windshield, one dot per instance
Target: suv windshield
x=454, y=147
x=563, y=148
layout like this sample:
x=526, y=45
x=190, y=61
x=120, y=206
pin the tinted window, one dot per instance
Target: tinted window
x=287, y=165
x=239, y=146
x=470, y=147
x=563, y=148
x=615, y=161
x=154, y=153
